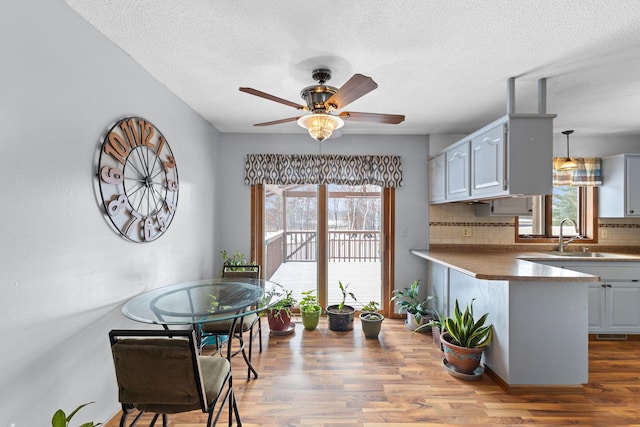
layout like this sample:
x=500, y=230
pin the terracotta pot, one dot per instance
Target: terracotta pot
x=278, y=320
x=463, y=359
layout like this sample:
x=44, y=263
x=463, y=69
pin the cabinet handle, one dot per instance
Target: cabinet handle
x=631, y=211
x=608, y=286
x=603, y=285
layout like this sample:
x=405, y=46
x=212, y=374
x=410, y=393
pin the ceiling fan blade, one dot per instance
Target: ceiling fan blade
x=273, y=98
x=357, y=86
x=389, y=119
x=277, y=122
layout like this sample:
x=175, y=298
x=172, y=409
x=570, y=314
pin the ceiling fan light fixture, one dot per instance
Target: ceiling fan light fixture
x=320, y=126
x=568, y=164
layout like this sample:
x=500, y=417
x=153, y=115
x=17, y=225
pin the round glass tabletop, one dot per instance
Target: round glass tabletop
x=203, y=301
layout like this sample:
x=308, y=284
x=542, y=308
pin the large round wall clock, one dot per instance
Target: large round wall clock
x=138, y=180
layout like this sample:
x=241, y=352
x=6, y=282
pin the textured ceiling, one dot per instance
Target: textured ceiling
x=444, y=64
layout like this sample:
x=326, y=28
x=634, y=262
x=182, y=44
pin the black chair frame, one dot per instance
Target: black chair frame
x=239, y=271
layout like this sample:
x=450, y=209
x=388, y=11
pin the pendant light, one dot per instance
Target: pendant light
x=568, y=163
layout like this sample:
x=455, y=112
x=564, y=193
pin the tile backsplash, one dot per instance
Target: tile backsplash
x=456, y=223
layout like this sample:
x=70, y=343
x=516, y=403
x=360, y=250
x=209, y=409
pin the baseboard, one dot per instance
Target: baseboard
x=611, y=337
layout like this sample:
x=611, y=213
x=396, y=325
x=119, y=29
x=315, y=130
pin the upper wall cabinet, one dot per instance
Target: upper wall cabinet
x=487, y=161
x=438, y=186
x=511, y=156
x=457, y=167
x=620, y=194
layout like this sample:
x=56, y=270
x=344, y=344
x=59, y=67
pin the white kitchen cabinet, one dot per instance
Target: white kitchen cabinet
x=614, y=307
x=510, y=206
x=488, y=161
x=457, y=169
x=437, y=179
x=619, y=196
x=614, y=303
x=512, y=156
x=623, y=306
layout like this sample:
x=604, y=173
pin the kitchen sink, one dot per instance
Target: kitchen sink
x=585, y=254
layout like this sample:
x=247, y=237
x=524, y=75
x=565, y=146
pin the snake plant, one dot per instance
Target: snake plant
x=464, y=331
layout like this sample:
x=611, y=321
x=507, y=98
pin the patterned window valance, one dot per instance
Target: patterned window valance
x=589, y=172
x=287, y=169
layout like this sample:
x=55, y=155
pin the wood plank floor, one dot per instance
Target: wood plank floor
x=335, y=379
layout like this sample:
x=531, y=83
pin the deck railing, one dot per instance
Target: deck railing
x=343, y=246
x=354, y=246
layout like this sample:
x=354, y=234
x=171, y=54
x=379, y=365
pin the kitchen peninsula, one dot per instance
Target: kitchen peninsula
x=539, y=312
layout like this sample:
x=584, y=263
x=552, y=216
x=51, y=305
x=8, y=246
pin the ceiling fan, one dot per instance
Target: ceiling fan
x=322, y=101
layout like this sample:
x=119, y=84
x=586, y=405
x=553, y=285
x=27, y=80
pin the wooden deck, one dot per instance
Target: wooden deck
x=363, y=277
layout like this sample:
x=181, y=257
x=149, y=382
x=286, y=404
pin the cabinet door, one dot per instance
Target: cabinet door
x=623, y=306
x=488, y=162
x=633, y=190
x=597, y=307
x=437, y=179
x=457, y=172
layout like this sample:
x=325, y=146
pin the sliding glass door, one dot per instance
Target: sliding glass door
x=317, y=235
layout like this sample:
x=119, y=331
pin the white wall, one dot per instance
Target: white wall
x=595, y=146
x=411, y=199
x=64, y=273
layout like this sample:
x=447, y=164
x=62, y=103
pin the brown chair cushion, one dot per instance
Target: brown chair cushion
x=223, y=326
x=156, y=375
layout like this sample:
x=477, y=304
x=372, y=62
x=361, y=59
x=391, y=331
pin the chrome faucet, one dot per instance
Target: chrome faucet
x=561, y=242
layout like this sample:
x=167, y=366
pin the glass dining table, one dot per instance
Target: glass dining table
x=203, y=301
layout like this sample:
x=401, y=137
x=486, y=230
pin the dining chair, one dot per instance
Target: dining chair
x=252, y=323
x=161, y=372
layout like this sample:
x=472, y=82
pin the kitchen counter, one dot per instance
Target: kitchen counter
x=514, y=266
x=526, y=300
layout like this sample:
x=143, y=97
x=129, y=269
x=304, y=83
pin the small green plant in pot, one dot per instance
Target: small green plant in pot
x=238, y=259
x=417, y=308
x=465, y=339
x=310, y=310
x=371, y=320
x=341, y=315
x=279, y=315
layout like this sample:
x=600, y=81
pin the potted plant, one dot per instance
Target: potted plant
x=437, y=327
x=465, y=339
x=341, y=315
x=279, y=315
x=60, y=419
x=417, y=308
x=310, y=310
x=371, y=320
x=238, y=259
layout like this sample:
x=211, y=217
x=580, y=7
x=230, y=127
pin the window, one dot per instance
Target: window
x=574, y=202
x=324, y=173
